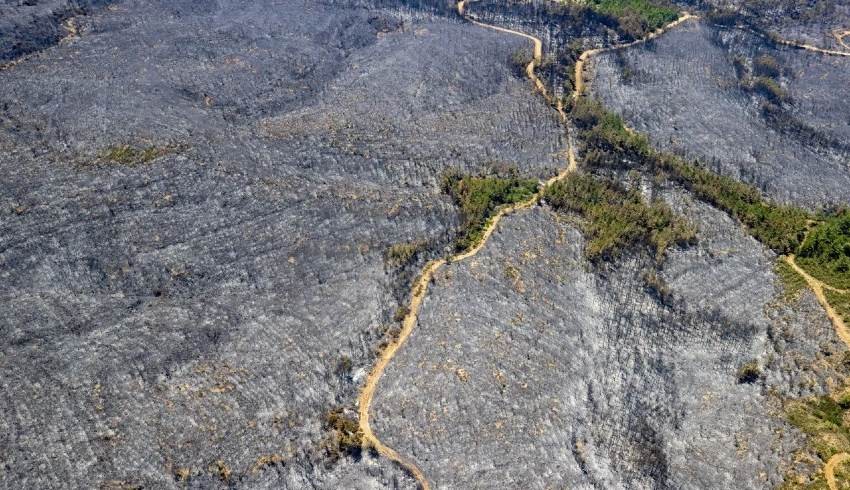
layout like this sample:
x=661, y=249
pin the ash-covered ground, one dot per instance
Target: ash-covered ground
x=685, y=91
x=529, y=368
x=185, y=314
x=189, y=320
x=29, y=26
x=816, y=22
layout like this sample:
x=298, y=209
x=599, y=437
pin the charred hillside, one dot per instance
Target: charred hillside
x=416, y=243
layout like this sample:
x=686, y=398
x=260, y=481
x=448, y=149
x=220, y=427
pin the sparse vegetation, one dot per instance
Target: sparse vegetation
x=344, y=366
x=182, y=473
x=766, y=66
x=401, y=254
x=400, y=313
x=608, y=143
x=785, y=121
x=132, y=156
x=520, y=60
x=779, y=227
x=841, y=303
x=722, y=17
x=763, y=80
x=567, y=58
x=480, y=197
x=267, y=460
x=220, y=469
x=345, y=438
x=822, y=418
x=826, y=421
x=792, y=283
x=616, y=218
x=807, y=11
x=605, y=135
x=513, y=274
x=770, y=89
x=655, y=285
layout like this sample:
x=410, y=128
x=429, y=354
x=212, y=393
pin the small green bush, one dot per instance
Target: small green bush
x=586, y=112
x=343, y=366
x=400, y=313
x=520, y=60
x=345, y=435
x=400, y=254
x=739, y=63
x=749, y=373
x=825, y=253
x=770, y=89
x=766, y=66
x=655, y=285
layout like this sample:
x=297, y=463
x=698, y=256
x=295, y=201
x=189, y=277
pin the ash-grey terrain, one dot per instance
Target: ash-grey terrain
x=682, y=90
x=815, y=22
x=188, y=320
x=527, y=370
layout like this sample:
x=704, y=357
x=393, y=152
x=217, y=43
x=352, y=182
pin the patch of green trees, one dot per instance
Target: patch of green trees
x=479, y=198
x=616, y=218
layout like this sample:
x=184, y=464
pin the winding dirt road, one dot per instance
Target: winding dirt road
x=420, y=286
x=585, y=56
x=813, y=48
x=538, y=48
x=817, y=286
x=367, y=394
x=829, y=469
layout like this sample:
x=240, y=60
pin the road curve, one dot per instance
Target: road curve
x=420, y=286
x=585, y=56
x=817, y=286
x=829, y=469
